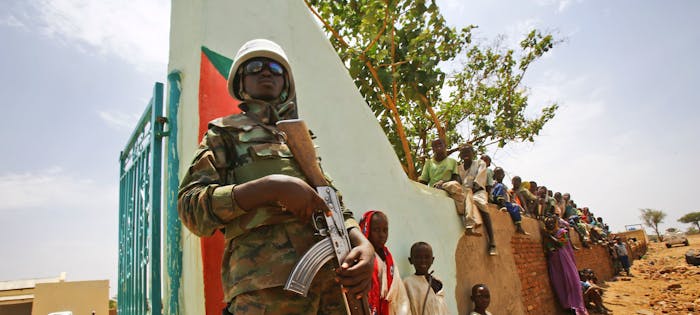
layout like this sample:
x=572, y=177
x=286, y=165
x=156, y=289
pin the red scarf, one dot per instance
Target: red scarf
x=378, y=305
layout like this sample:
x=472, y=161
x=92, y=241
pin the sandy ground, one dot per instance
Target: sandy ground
x=663, y=283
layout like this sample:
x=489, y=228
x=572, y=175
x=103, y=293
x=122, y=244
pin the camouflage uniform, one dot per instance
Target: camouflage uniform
x=263, y=244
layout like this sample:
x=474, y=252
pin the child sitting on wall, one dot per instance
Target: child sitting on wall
x=499, y=196
x=387, y=294
x=425, y=292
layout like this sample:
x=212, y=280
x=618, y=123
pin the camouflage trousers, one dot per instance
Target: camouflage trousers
x=324, y=297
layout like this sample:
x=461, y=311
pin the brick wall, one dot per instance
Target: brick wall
x=595, y=257
x=518, y=277
x=531, y=262
x=537, y=295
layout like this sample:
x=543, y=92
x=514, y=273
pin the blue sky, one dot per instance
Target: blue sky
x=77, y=74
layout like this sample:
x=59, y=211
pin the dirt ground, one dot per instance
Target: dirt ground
x=663, y=283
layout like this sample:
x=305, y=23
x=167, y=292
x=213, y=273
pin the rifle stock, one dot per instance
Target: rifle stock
x=299, y=142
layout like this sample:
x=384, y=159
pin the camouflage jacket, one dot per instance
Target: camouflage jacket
x=263, y=244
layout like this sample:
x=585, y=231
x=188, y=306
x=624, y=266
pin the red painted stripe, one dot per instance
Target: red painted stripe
x=214, y=102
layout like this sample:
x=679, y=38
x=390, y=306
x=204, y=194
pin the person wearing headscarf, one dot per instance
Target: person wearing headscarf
x=561, y=264
x=387, y=294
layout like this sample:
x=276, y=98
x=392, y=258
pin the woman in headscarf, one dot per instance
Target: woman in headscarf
x=561, y=264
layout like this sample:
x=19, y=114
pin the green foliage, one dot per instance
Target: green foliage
x=394, y=49
x=692, y=218
x=487, y=94
x=692, y=230
x=652, y=218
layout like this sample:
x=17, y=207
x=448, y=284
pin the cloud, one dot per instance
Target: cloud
x=135, y=31
x=53, y=188
x=452, y=5
x=585, y=150
x=11, y=21
x=561, y=5
x=118, y=120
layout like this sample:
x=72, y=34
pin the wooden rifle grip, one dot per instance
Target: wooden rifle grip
x=299, y=142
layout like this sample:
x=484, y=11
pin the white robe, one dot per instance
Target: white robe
x=396, y=294
x=416, y=288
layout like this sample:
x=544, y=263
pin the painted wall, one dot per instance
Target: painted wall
x=80, y=297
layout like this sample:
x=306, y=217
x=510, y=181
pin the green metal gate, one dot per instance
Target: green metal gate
x=139, y=282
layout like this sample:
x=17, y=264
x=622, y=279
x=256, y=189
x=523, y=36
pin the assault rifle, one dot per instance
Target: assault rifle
x=330, y=224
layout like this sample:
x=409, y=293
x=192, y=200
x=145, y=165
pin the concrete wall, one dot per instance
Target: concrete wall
x=80, y=297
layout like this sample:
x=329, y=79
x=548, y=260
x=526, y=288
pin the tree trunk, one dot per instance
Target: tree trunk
x=656, y=229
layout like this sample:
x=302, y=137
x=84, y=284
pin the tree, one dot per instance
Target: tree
x=393, y=50
x=652, y=218
x=692, y=218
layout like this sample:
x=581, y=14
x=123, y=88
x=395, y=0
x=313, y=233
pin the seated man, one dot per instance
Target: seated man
x=500, y=197
x=570, y=208
x=440, y=169
x=606, y=229
x=489, y=173
x=580, y=229
x=522, y=196
x=592, y=293
x=560, y=204
x=533, y=205
x=546, y=204
x=441, y=172
x=473, y=173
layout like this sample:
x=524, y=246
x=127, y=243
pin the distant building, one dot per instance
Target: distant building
x=50, y=295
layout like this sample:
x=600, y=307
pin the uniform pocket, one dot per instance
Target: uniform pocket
x=265, y=151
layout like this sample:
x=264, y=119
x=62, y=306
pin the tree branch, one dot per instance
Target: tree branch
x=411, y=169
x=325, y=24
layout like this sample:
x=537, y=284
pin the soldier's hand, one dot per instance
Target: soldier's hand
x=355, y=273
x=290, y=193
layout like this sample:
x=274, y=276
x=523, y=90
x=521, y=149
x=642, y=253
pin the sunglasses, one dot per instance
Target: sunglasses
x=257, y=66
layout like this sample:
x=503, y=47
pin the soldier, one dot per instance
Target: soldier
x=244, y=180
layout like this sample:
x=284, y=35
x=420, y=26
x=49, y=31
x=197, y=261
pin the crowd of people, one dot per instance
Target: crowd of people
x=473, y=184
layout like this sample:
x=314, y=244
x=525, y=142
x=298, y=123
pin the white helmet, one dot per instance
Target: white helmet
x=259, y=48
